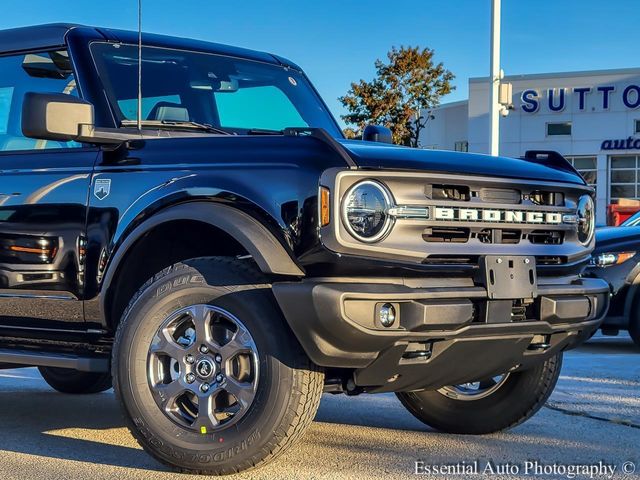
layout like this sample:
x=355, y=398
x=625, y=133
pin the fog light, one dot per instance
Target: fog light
x=387, y=315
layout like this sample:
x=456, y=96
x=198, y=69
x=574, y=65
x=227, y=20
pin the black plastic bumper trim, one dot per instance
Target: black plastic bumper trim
x=316, y=313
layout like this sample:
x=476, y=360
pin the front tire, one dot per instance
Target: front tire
x=75, y=382
x=500, y=405
x=262, y=391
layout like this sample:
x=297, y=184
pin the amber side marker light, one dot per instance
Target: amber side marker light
x=39, y=251
x=324, y=206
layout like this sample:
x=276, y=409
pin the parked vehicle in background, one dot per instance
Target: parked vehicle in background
x=621, y=210
x=616, y=259
x=235, y=256
x=632, y=221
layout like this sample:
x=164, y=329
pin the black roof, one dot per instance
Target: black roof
x=31, y=38
x=53, y=35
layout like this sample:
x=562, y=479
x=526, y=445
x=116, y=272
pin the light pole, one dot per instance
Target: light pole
x=494, y=80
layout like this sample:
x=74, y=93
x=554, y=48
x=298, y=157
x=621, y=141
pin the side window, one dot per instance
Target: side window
x=45, y=72
x=257, y=108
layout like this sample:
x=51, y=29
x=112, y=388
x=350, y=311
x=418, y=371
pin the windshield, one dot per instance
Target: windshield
x=234, y=94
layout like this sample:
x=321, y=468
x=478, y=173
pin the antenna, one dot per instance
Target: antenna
x=139, y=120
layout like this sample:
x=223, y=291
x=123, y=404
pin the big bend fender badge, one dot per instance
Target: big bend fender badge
x=101, y=188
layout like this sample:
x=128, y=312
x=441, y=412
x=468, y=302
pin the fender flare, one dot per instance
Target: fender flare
x=268, y=253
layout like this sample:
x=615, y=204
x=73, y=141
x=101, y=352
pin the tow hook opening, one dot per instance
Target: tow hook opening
x=540, y=343
x=418, y=351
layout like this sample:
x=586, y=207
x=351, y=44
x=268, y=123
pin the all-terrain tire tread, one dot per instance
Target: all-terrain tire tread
x=549, y=380
x=307, y=388
x=551, y=372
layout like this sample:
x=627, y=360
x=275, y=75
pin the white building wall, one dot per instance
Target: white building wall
x=448, y=126
x=521, y=131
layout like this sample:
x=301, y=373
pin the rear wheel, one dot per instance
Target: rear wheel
x=75, y=382
x=486, y=406
x=208, y=372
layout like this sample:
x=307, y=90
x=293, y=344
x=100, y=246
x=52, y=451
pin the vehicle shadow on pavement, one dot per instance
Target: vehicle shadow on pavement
x=86, y=428
x=379, y=411
x=385, y=438
x=615, y=346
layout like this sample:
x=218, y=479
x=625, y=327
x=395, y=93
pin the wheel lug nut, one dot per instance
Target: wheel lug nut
x=190, y=359
x=218, y=358
x=204, y=388
x=190, y=378
x=219, y=378
x=204, y=349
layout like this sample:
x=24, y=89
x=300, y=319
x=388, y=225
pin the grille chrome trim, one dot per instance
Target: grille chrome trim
x=409, y=212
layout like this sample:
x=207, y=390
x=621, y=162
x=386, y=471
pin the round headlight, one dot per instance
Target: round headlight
x=586, y=219
x=364, y=211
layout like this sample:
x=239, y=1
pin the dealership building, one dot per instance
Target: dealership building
x=592, y=118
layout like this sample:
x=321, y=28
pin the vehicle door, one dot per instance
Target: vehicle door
x=43, y=200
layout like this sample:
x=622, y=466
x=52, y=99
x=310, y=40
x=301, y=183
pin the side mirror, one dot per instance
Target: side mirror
x=55, y=116
x=377, y=133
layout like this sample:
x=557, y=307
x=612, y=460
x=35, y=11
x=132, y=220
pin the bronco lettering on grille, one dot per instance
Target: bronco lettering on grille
x=494, y=215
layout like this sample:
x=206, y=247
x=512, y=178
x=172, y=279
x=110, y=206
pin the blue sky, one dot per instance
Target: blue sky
x=337, y=42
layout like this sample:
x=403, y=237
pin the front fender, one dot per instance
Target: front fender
x=270, y=255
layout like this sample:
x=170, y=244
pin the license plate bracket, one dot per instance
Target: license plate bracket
x=509, y=277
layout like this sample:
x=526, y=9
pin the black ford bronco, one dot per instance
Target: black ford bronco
x=206, y=241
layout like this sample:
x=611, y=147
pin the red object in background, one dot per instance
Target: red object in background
x=616, y=214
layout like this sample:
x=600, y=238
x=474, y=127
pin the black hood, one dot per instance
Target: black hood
x=617, y=239
x=380, y=155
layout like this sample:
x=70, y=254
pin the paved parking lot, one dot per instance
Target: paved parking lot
x=594, y=416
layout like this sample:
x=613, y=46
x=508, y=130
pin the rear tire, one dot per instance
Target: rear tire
x=74, y=382
x=282, y=387
x=514, y=401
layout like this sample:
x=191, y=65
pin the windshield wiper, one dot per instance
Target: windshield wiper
x=176, y=124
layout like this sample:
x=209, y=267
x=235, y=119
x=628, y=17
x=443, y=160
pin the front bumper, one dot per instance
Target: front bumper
x=446, y=332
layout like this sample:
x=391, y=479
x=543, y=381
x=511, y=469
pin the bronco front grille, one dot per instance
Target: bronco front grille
x=440, y=218
x=500, y=195
x=510, y=236
x=452, y=234
x=546, y=237
x=490, y=215
x=459, y=193
x=553, y=199
x=498, y=235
